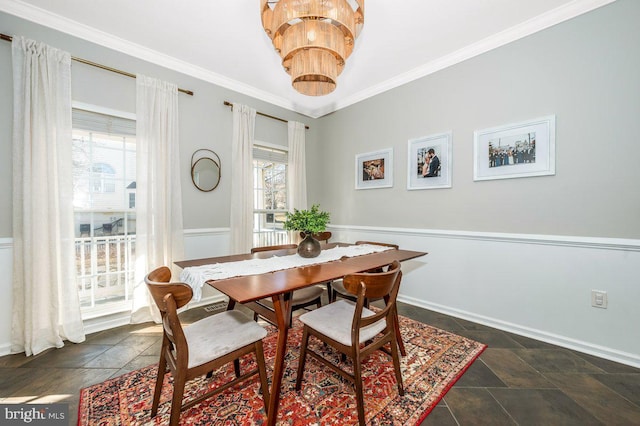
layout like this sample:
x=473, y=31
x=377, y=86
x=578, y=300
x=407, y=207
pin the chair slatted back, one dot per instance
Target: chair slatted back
x=374, y=285
x=169, y=297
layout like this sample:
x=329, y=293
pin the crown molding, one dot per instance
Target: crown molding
x=76, y=29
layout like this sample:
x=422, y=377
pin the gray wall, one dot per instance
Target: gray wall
x=204, y=121
x=585, y=71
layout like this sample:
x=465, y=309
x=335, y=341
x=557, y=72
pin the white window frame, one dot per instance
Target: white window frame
x=122, y=306
x=273, y=237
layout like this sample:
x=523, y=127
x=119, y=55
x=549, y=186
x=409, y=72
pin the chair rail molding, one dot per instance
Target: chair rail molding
x=6, y=243
x=555, y=240
x=205, y=232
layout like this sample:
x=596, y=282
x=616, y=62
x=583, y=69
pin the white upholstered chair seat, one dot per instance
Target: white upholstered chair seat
x=334, y=321
x=220, y=334
x=338, y=286
x=300, y=297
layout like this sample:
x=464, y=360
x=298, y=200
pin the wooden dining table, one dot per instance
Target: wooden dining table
x=279, y=285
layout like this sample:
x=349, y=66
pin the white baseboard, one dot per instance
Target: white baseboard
x=5, y=349
x=95, y=325
x=584, y=347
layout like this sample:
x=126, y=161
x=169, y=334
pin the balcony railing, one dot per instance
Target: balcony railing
x=105, y=269
x=270, y=238
x=105, y=265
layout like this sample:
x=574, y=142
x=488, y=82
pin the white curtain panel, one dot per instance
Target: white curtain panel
x=159, y=233
x=297, y=183
x=46, y=308
x=241, y=221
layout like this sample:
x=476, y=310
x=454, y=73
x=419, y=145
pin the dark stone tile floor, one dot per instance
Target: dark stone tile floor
x=522, y=381
x=516, y=381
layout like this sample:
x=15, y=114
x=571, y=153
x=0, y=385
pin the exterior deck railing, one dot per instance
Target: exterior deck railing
x=270, y=238
x=105, y=269
x=105, y=265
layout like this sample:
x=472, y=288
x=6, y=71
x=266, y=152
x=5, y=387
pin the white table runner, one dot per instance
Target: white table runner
x=196, y=276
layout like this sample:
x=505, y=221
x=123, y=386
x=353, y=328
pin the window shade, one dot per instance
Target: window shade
x=96, y=122
x=269, y=154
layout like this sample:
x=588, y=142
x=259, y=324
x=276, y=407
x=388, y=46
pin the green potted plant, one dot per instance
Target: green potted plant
x=310, y=222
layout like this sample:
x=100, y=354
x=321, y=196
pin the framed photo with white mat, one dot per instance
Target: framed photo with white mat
x=374, y=169
x=429, y=162
x=515, y=150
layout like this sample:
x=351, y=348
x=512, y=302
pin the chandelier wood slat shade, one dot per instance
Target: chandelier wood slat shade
x=314, y=38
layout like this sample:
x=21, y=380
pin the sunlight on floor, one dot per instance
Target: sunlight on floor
x=153, y=328
x=33, y=399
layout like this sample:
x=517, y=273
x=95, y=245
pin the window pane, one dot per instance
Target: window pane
x=270, y=201
x=104, y=196
x=129, y=164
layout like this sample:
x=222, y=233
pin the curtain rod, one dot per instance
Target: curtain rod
x=104, y=67
x=229, y=104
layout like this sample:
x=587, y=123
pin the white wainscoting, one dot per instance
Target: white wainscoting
x=533, y=285
x=6, y=289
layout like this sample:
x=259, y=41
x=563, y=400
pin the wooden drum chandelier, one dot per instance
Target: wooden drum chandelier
x=314, y=38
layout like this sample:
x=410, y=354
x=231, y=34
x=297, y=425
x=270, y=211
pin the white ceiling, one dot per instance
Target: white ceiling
x=224, y=43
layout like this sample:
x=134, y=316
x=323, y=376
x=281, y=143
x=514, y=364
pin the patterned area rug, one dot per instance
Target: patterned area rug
x=435, y=361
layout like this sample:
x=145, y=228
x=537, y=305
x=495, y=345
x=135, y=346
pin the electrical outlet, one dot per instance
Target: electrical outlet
x=599, y=299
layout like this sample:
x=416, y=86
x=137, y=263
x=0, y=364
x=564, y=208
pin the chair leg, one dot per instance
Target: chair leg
x=236, y=367
x=357, y=375
x=396, y=366
x=396, y=321
x=329, y=291
x=162, y=370
x=303, y=357
x=396, y=324
x=176, y=401
x=262, y=371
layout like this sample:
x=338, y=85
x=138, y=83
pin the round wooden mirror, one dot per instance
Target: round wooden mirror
x=205, y=171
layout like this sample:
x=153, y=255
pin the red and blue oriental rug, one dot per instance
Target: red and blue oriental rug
x=435, y=360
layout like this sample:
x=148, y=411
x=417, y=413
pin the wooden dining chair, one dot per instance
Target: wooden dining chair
x=338, y=290
x=337, y=286
x=354, y=330
x=202, y=347
x=302, y=298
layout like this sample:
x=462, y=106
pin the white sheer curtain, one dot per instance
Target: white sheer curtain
x=159, y=233
x=297, y=183
x=244, y=119
x=46, y=308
